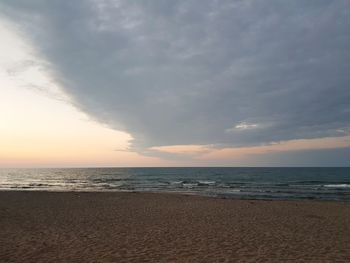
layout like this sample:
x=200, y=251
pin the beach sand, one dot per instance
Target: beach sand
x=145, y=227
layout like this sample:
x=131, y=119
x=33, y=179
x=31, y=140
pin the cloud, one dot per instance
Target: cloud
x=251, y=155
x=243, y=126
x=300, y=145
x=184, y=150
x=199, y=72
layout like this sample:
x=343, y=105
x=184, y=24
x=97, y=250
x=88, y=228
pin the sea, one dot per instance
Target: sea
x=236, y=183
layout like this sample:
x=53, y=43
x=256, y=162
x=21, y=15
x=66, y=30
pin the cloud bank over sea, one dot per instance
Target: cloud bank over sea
x=220, y=73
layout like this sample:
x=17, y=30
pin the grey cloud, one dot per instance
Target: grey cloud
x=186, y=72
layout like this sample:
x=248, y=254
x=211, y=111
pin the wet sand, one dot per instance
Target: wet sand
x=135, y=227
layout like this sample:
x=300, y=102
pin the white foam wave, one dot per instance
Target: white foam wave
x=337, y=185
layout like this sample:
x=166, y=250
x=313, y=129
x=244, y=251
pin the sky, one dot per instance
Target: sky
x=174, y=83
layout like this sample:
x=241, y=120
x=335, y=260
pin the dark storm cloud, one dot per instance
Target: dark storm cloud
x=229, y=73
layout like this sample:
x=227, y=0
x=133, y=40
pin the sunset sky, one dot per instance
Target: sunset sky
x=174, y=83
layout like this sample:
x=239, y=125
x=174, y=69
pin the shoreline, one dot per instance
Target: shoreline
x=179, y=193
x=40, y=226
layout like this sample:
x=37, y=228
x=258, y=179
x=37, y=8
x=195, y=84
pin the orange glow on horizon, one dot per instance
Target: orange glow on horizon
x=210, y=153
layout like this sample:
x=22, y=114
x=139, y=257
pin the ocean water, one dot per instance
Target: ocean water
x=242, y=183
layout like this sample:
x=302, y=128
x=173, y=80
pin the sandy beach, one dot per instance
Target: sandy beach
x=140, y=227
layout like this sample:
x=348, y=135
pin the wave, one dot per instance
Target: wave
x=337, y=185
x=206, y=183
